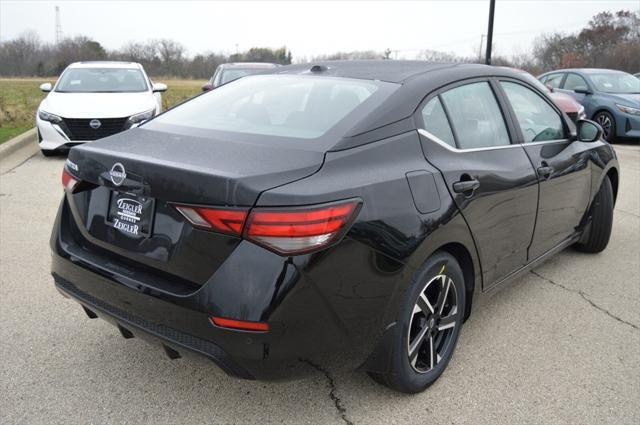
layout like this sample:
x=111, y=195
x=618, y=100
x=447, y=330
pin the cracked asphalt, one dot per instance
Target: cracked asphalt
x=561, y=345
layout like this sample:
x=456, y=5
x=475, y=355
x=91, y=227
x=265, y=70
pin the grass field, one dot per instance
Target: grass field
x=20, y=97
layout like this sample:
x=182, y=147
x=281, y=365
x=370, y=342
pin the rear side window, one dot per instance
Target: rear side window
x=436, y=123
x=538, y=120
x=294, y=106
x=476, y=116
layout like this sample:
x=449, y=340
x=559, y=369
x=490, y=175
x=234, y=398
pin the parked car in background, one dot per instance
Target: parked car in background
x=92, y=100
x=637, y=75
x=567, y=104
x=611, y=98
x=346, y=214
x=228, y=72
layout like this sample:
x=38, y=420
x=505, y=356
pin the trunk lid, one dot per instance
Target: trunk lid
x=170, y=168
x=193, y=169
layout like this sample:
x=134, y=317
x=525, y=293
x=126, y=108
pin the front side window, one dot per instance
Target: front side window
x=101, y=80
x=476, y=116
x=538, y=120
x=574, y=81
x=436, y=123
x=295, y=106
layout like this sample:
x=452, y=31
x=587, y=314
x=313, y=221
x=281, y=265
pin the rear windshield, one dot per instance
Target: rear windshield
x=304, y=107
x=101, y=80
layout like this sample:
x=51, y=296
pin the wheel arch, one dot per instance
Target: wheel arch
x=613, y=175
x=463, y=256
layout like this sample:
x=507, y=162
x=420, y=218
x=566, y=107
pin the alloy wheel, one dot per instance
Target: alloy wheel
x=433, y=320
x=605, y=122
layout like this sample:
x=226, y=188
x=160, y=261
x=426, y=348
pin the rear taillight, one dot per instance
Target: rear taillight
x=68, y=181
x=222, y=220
x=287, y=231
x=300, y=230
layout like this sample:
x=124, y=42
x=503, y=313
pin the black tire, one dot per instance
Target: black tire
x=598, y=231
x=608, y=124
x=417, y=329
x=47, y=152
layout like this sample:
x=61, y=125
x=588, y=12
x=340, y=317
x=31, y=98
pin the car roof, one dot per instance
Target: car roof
x=105, y=64
x=394, y=71
x=585, y=70
x=248, y=65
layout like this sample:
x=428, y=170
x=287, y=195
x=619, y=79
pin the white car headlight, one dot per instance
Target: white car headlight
x=581, y=114
x=143, y=116
x=46, y=116
x=628, y=109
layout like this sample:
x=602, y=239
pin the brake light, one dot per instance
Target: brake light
x=68, y=181
x=300, y=230
x=287, y=231
x=240, y=324
x=222, y=220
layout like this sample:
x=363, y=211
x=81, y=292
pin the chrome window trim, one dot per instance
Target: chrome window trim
x=488, y=148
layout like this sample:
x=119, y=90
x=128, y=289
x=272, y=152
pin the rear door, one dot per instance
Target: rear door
x=465, y=135
x=562, y=165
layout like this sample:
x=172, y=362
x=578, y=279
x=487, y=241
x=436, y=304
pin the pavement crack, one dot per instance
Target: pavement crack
x=587, y=299
x=337, y=401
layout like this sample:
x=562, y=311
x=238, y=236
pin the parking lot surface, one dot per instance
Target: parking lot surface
x=561, y=345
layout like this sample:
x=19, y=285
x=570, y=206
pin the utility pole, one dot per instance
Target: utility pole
x=492, y=9
x=58, y=26
x=482, y=36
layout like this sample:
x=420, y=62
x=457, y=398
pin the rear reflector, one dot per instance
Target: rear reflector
x=222, y=220
x=68, y=181
x=286, y=230
x=240, y=324
x=300, y=230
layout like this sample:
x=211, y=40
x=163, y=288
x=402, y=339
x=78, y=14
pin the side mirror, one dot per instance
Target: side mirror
x=207, y=87
x=550, y=87
x=159, y=87
x=45, y=87
x=582, y=90
x=589, y=131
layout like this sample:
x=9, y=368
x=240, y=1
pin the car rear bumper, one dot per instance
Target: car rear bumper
x=307, y=323
x=174, y=342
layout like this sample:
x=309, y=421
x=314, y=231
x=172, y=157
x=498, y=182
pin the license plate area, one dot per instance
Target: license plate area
x=130, y=214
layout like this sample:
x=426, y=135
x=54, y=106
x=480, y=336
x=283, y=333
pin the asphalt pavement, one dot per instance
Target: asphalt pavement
x=561, y=345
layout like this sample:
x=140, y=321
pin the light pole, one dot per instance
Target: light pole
x=480, y=50
x=492, y=9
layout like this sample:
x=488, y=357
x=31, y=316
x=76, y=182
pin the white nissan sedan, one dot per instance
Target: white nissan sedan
x=92, y=100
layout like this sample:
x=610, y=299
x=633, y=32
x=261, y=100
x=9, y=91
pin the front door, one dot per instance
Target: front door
x=465, y=136
x=562, y=166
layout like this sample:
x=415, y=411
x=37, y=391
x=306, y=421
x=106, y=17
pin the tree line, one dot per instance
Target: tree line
x=609, y=40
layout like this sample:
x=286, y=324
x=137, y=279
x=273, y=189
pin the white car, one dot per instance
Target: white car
x=92, y=100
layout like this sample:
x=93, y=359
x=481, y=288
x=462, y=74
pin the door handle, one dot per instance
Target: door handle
x=545, y=171
x=466, y=187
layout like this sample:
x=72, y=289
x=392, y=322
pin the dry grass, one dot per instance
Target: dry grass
x=20, y=97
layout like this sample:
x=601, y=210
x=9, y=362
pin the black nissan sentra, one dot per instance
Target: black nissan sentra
x=339, y=214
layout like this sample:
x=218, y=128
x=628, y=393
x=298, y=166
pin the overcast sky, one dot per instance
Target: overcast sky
x=307, y=28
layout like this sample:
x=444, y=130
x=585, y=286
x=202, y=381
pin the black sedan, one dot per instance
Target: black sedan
x=340, y=214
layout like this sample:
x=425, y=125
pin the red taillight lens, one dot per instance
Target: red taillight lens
x=240, y=324
x=68, y=181
x=300, y=230
x=222, y=220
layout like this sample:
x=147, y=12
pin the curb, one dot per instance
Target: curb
x=17, y=143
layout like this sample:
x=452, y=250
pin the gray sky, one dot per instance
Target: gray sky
x=307, y=28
